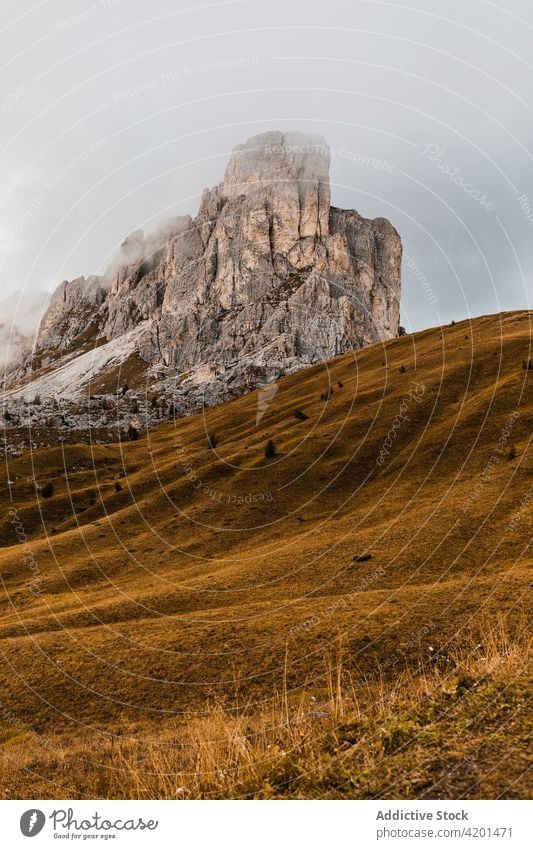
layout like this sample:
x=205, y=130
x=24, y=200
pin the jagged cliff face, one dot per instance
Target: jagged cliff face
x=74, y=308
x=267, y=278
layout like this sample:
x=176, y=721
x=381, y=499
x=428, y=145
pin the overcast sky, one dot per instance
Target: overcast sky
x=117, y=113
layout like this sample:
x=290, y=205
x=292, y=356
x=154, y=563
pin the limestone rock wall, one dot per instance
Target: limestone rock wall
x=267, y=277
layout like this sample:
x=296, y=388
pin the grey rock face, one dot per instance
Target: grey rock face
x=266, y=279
x=72, y=310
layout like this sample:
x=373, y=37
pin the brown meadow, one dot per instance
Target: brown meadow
x=191, y=615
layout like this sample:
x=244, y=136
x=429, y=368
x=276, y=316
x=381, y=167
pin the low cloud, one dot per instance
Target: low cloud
x=20, y=316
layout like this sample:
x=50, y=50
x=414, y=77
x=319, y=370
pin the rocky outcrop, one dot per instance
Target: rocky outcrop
x=72, y=311
x=266, y=279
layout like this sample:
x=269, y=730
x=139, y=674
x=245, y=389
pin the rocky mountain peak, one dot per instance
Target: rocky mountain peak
x=291, y=170
x=266, y=279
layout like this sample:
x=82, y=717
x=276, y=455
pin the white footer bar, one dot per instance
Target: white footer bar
x=267, y=825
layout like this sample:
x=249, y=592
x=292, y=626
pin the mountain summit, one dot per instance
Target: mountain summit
x=268, y=278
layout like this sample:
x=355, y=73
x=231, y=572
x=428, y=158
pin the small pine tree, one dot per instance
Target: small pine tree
x=212, y=440
x=133, y=433
x=300, y=415
x=270, y=449
x=47, y=490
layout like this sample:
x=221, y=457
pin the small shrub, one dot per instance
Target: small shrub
x=118, y=487
x=47, y=490
x=397, y=732
x=512, y=453
x=402, y=369
x=212, y=440
x=300, y=416
x=340, y=384
x=527, y=366
x=270, y=449
x=133, y=433
x=325, y=396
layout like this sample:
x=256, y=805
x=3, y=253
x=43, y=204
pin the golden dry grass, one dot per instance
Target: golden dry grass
x=178, y=607
x=457, y=732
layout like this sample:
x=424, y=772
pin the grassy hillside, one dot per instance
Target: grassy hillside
x=178, y=603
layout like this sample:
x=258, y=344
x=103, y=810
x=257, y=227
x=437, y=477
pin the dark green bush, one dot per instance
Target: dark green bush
x=270, y=449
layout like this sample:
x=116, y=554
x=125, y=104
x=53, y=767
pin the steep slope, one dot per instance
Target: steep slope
x=163, y=569
x=266, y=279
x=165, y=577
